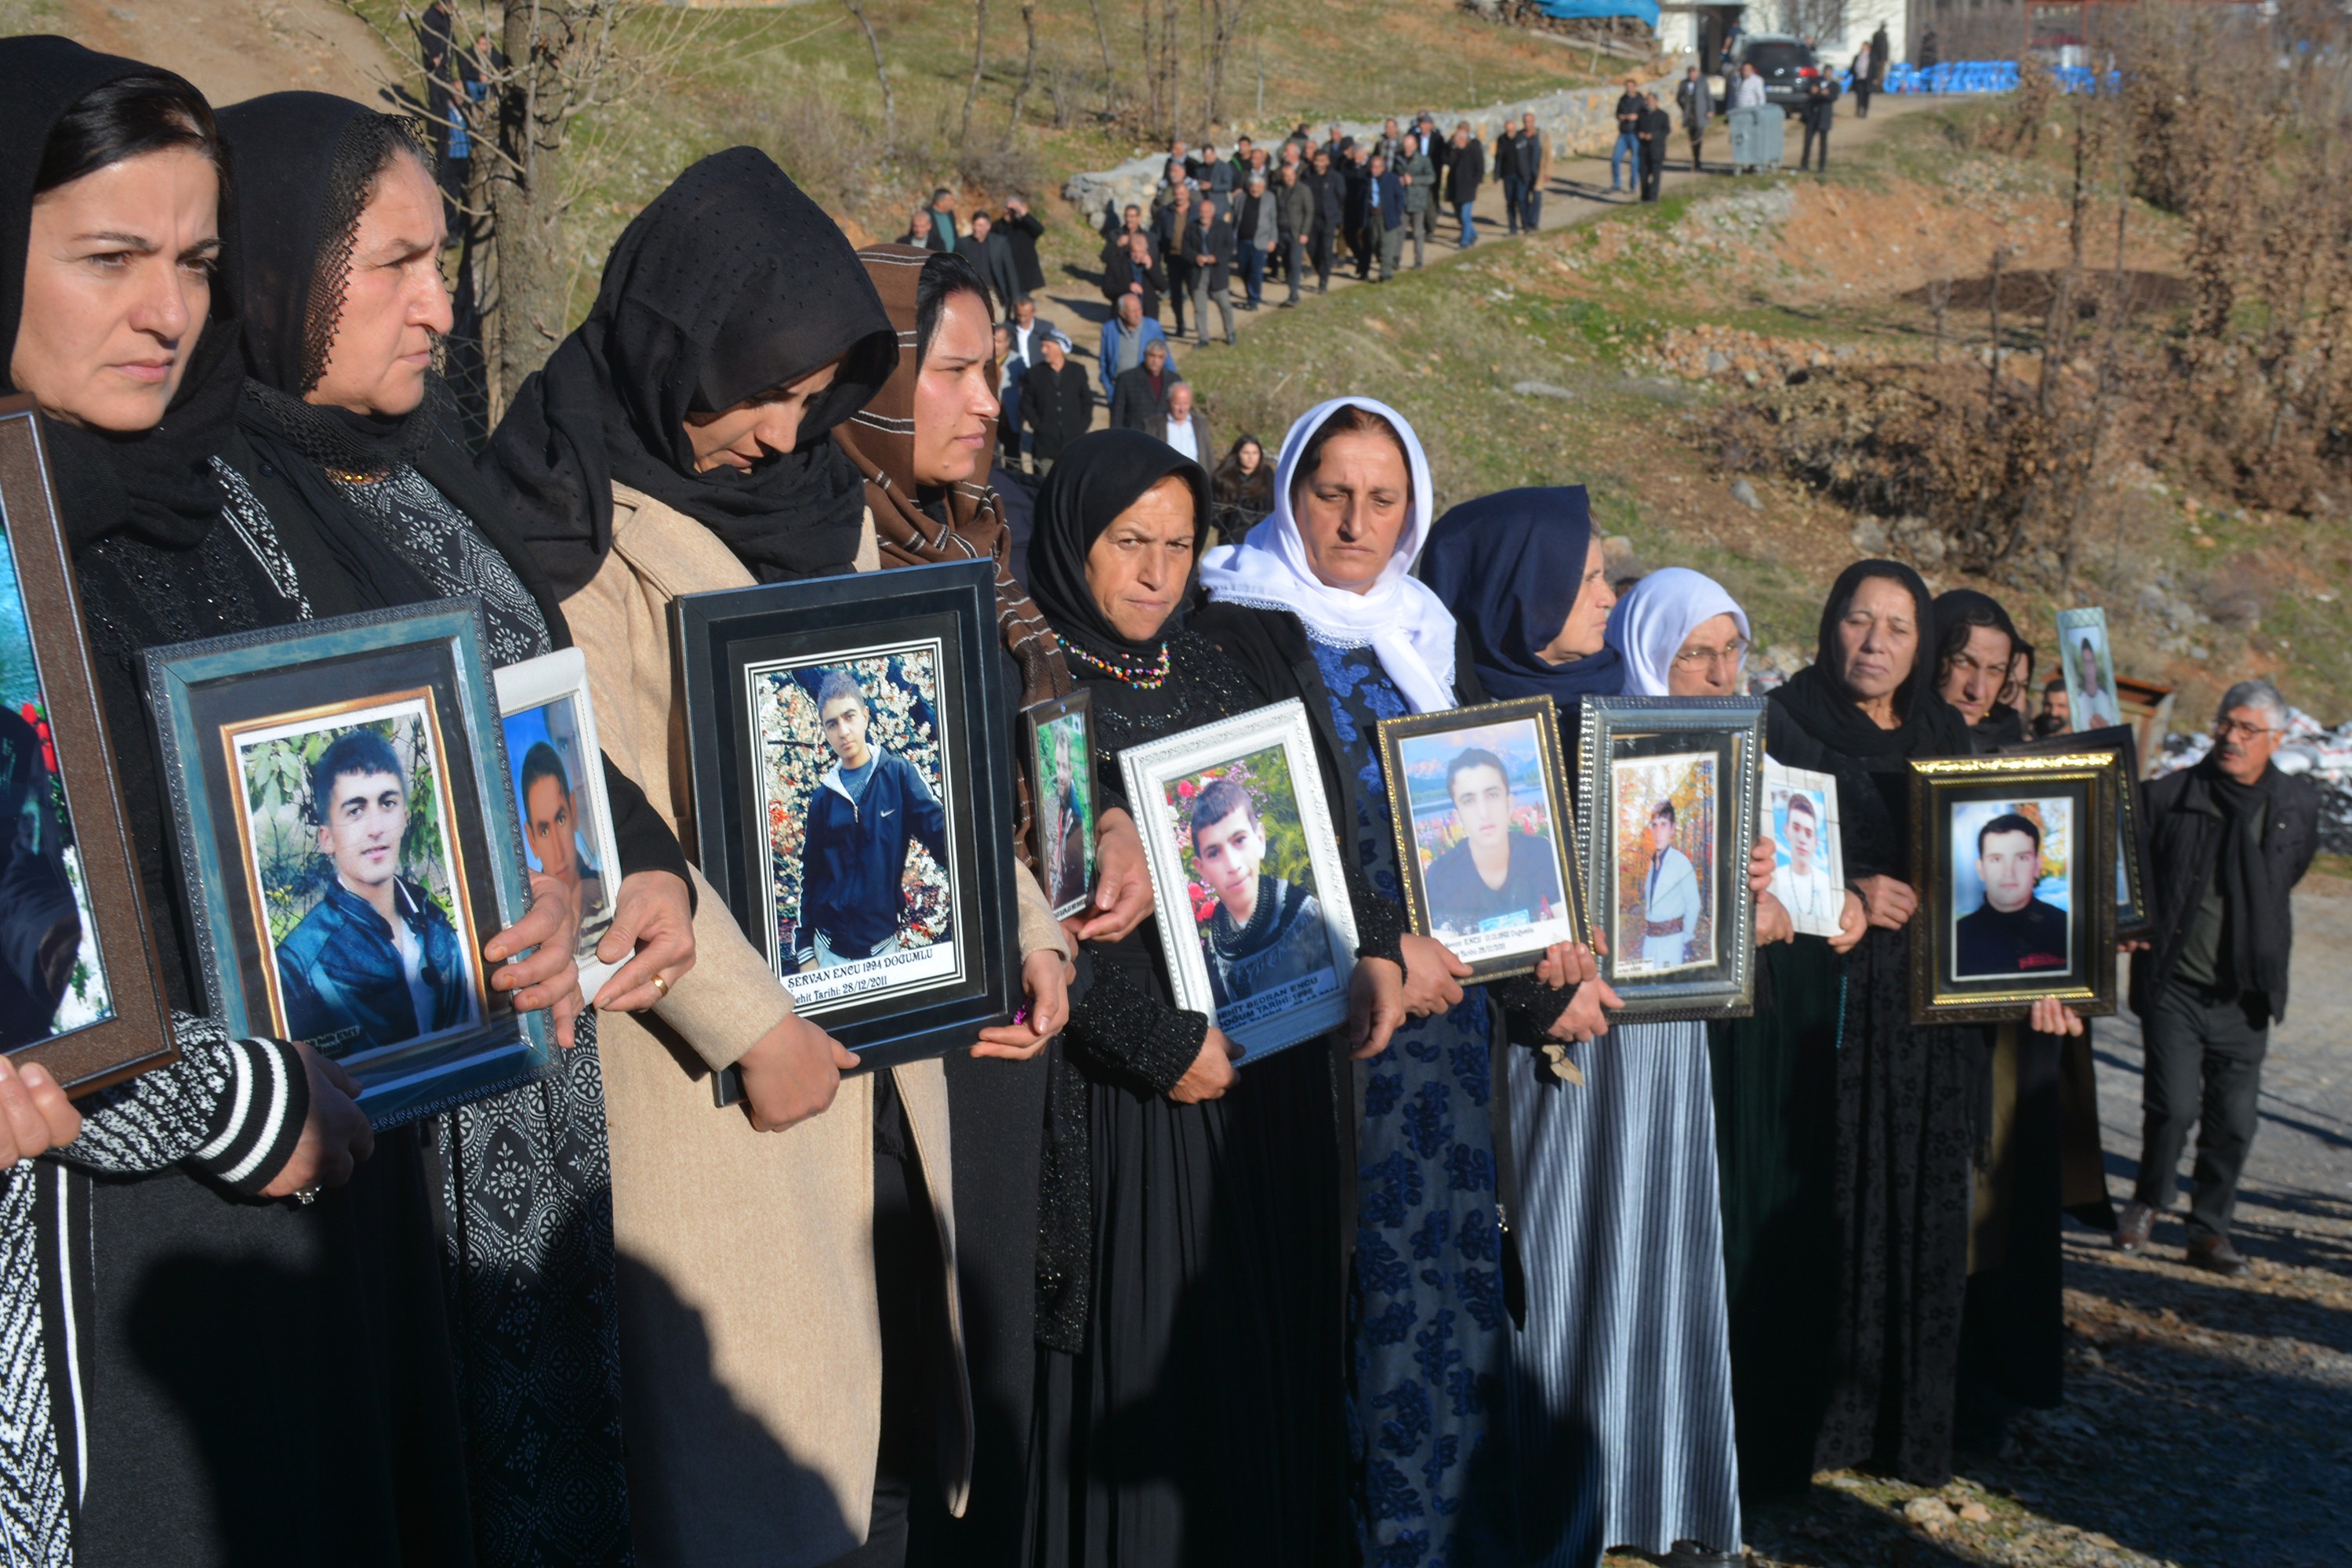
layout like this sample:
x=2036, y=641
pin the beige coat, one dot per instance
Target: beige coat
x=751, y=1351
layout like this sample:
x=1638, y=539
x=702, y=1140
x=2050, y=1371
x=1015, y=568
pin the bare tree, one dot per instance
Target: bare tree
x=1110, y=73
x=881, y=74
x=541, y=66
x=978, y=64
x=1224, y=18
x=1028, y=67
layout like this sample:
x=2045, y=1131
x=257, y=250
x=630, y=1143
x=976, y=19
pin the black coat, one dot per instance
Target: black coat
x=1021, y=236
x=992, y=259
x=1056, y=406
x=1464, y=173
x=1216, y=242
x=1132, y=401
x=1330, y=196
x=2185, y=825
x=1121, y=270
x=1821, y=106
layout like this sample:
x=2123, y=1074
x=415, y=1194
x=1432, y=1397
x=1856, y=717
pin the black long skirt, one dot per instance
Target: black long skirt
x=1906, y=1135
x=1776, y=1140
x=1203, y=1421
x=271, y=1382
x=2012, y=1344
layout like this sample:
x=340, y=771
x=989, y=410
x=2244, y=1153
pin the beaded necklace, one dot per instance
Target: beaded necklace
x=1142, y=680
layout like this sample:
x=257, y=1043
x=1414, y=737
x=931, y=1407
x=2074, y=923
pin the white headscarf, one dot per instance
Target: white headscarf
x=1649, y=624
x=1398, y=618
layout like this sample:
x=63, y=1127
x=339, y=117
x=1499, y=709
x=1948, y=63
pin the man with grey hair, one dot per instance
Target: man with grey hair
x=2228, y=840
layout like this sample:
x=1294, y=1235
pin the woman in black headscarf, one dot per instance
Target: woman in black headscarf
x=1189, y=1388
x=343, y=462
x=1909, y=1098
x=1976, y=645
x=212, y=1337
x=680, y=441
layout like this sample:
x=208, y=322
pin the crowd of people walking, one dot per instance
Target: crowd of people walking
x=1477, y=1278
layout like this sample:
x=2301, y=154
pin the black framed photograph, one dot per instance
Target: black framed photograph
x=1669, y=789
x=2014, y=860
x=558, y=770
x=853, y=798
x=81, y=992
x=1059, y=732
x=1254, y=914
x=349, y=841
x=2134, y=911
x=1485, y=838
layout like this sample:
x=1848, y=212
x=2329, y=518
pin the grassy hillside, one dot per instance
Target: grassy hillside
x=798, y=81
x=1642, y=355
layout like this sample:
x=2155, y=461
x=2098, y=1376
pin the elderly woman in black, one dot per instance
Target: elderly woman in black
x=344, y=471
x=1189, y=1391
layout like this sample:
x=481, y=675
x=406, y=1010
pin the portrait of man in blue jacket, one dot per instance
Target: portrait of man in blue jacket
x=375, y=961
x=869, y=805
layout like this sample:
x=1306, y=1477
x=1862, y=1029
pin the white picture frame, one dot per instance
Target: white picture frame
x=1293, y=822
x=1815, y=900
x=545, y=701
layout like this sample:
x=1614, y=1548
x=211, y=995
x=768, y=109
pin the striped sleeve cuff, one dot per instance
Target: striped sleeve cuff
x=254, y=1127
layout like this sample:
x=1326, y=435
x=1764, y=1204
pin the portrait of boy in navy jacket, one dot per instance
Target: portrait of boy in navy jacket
x=866, y=810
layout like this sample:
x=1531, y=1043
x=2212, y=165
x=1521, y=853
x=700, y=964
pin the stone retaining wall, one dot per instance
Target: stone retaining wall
x=1577, y=122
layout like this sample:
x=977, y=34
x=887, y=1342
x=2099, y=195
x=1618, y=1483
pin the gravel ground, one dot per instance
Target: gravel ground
x=2208, y=1422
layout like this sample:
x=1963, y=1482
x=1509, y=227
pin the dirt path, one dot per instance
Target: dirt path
x=1577, y=192
x=237, y=49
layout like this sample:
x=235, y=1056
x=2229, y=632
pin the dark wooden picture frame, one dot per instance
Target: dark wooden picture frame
x=732, y=641
x=1671, y=736
x=1943, y=991
x=77, y=760
x=2134, y=906
x=1527, y=730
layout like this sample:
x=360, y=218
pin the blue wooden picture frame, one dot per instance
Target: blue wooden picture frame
x=234, y=715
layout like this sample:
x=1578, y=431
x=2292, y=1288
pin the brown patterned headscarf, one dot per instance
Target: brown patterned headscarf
x=880, y=439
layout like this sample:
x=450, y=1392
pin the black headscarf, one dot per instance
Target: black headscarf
x=1097, y=476
x=1955, y=607
x=731, y=282
x=151, y=483
x=1817, y=698
x=303, y=163
x=1509, y=566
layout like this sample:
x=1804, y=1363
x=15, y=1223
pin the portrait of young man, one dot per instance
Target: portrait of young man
x=1669, y=897
x=2013, y=931
x=1803, y=885
x=1066, y=838
x=866, y=809
x=1266, y=932
x=1496, y=877
x=2094, y=705
x=551, y=829
x=375, y=954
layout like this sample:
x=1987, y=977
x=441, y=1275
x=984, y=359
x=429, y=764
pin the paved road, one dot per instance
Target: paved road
x=1577, y=192
x=2295, y=1204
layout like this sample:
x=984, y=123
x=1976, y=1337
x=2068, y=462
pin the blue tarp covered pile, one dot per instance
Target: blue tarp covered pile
x=1577, y=10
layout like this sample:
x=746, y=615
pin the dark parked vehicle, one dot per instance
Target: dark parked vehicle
x=1786, y=64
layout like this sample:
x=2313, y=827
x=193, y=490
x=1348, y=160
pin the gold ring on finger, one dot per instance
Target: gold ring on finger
x=661, y=986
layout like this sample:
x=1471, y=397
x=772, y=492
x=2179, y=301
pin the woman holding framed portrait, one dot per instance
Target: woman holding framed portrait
x=1911, y=1099
x=1319, y=602
x=1682, y=636
x=677, y=443
x=1200, y=1273
x=1629, y=1134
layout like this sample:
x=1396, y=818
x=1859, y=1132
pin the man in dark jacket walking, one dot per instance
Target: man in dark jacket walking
x=1021, y=230
x=1209, y=246
x=1356, y=208
x=1820, y=112
x=864, y=812
x=1330, y=207
x=1257, y=229
x=1136, y=271
x=1385, y=221
x=1057, y=403
x=2228, y=840
x=1654, y=129
x=1167, y=227
x=1466, y=171
x=992, y=260
x=1295, y=208
x=1137, y=395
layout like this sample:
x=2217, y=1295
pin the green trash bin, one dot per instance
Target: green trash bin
x=1758, y=138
